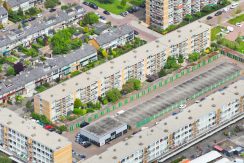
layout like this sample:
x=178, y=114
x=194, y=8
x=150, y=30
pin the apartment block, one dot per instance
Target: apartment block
x=177, y=131
x=31, y=143
x=163, y=13
x=139, y=63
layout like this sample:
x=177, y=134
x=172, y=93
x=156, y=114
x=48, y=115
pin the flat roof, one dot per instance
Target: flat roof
x=177, y=93
x=208, y=157
x=103, y=126
x=32, y=130
x=169, y=125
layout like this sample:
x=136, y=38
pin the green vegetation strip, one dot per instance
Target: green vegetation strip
x=237, y=19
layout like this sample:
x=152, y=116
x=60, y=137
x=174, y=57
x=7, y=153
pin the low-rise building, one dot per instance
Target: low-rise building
x=54, y=68
x=175, y=132
x=115, y=37
x=41, y=26
x=3, y=16
x=104, y=130
x=24, y=5
x=139, y=63
x=30, y=142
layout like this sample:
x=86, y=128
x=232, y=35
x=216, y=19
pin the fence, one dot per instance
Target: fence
x=194, y=96
x=90, y=118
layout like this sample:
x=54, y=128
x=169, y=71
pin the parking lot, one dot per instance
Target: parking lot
x=176, y=94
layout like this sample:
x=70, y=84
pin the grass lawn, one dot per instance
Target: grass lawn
x=237, y=19
x=115, y=7
x=214, y=32
x=12, y=59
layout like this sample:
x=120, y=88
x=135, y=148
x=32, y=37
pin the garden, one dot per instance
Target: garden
x=237, y=19
x=17, y=16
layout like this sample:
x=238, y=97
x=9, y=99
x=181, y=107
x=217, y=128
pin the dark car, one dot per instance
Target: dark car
x=86, y=3
x=31, y=19
x=52, y=10
x=136, y=33
x=87, y=144
x=106, y=12
x=218, y=13
x=131, y=11
x=135, y=8
x=143, y=5
x=209, y=17
x=83, y=124
x=94, y=6
x=103, y=17
x=51, y=129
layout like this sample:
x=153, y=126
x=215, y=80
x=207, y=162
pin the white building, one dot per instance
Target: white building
x=3, y=16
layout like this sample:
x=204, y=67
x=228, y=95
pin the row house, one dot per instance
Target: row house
x=24, y=5
x=3, y=16
x=42, y=26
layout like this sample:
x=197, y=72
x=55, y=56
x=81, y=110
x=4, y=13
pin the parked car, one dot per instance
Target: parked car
x=123, y=14
x=234, y=5
x=174, y=113
x=135, y=8
x=106, y=12
x=31, y=19
x=131, y=11
x=183, y=106
x=86, y=3
x=238, y=24
x=143, y=5
x=87, y=144
x=94, y=6
x=51, y=129
x=39, y=15
x=197, y=101
x=83, y=124
x=136, y=33
x=48, y=127
x=103, y=17
x=218, y=13
x=52, y=10
x=209, y=17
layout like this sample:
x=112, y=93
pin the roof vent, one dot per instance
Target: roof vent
x=100, y=157
x=157, y=41
x=200, y=105
x=76, y=83
x=22, y=122
x=169, y=40
x=88, y=73
x=140, y=143
x=236, y=93
x=47, y=134
x=166, y=130
x=111, y=61
x=63, y=84
x=126, y=143
x=178, y=30
x=157, y=46
x=114, y=157
x=223, y=93
x=124, y=61
x=140, y=136
x=147, y=50
x=59, y=140
x=212, y=98
x=33, y=135
x=165, y=123
x=101, y=72
x=111, y=67
x=114, y=150
x=51, y=95
x=213, y=105
x=9, y=122
x=63, y=90
x=88, y=78
x=190, y=30
x=135, y=56
x=34, y=127
x=151, y=130
x=134, y=51
x=10, y=115
x=190, y=117
x=235, y=87
x=179, y=36
x=176, y=117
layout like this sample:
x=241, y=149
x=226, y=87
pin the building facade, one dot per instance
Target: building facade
x=163, y=13
x=139, y=63
x=3, y=16
x=177, y=131
x=24, y=5
x=29, y=142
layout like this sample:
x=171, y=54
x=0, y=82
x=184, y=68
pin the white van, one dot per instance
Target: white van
x=234, y=5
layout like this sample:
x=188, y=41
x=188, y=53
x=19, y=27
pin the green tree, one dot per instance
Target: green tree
x=104, y=53
x=51, y=3
x=123, y=3
x=19, y=99
x=5, y=159
x=162, y=73
x=180, y=59
x=198, y=14
x=10, y=71
x=171, y=63
x=188, y=18
x=193, y=57
x=90, y=18
x=78, y=103
x=113, y=95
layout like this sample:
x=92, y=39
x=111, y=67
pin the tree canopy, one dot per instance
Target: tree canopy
x=90, y=18
x=113, y=95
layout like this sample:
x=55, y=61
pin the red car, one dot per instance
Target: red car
x=48, y=127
